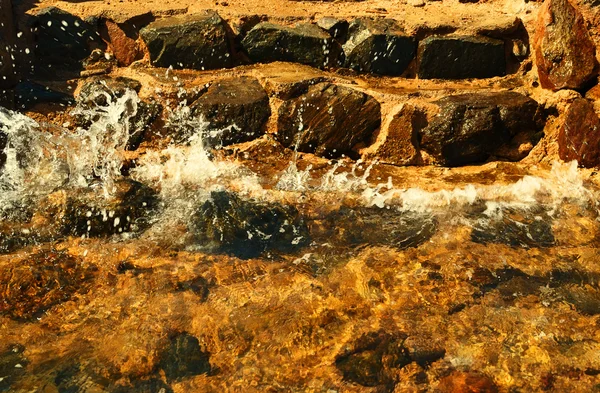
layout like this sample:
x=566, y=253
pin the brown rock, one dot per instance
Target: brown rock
x=564, y=52
x=467, y=382
x=125, y=47
x=328, y=120
x=397, y=143
x=579, y=136
x=593, y=95
x=41, y=281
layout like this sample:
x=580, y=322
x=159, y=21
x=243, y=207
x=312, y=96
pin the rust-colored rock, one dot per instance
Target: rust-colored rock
x=125, y=47
x=579, y=136
x=467, y=382
x=564, y=52
x=397, y=144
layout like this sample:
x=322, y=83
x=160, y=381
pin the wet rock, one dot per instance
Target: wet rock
x=522, y=285
x=237, y=110
x=379, y=46
x=380, y=227
x=184, y=358
x=469, y=381
x=579, y=135
x=153, y=385
x=337, y=28
x=371, y=360
x=586, y=298
x=196, y=41
x=461, y=57
x=565, y=55
x=474, y=126
x=515, y=228
x=246, y=228
x=328, y=120
x=40, y=281
x=398, y=141
x=62, y=41
x=12, y=366
x=123, y=41
x=198, y=286
x=88, y=212
x=28, y=94
x=305, y=44
x=101, y=91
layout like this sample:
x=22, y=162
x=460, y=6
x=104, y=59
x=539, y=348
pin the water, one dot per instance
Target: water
x=198, y=273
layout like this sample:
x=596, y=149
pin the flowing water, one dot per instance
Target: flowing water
x=196, y=272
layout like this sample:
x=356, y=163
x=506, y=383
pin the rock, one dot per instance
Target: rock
x=12, y=366
x=198, y=286
x=337, y=28
x=76, y=378
x=564, y=53
x=516, y=228
x=28, y=94
x=461, y=57
x=305, y=44
x=328, y=120
x=424, y=350
x=246, y=228
x=88, y=212
x=471, y=127
x=41, y=281
x=593, y=95
x=122, y=41
x=469, y=381
x=63, y=41
x=379, y=46
x=184, y=358
x=196, y=41
x=8, y=71
x=100, y=91
x=468, y=1
x=579, y=135
x=380, y=227
x=397, y=142
x=416, y=3
x=586, y=299
x=238, y=108
x=371, y=360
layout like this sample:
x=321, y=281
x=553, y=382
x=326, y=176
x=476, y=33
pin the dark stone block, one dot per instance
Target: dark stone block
x=461, y=57
x=328, y=120
x=188, y=41
x=237, y=110
x=184, y=358
x=378, y=46
x=305, y=44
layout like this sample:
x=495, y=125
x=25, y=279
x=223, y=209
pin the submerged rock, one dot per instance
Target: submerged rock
x=328, y=120
x=461, y=57
x=88, y=212
x=237, y=110
x=12, y=365
x=379, y=46
x=467, y=381
x=196, y=41
x=40, y=281
x=153, y=385
x=474, y=126
x=76, y=378
x=515, y=228
x=246, y=228
x=184, y=358
x=63, y=40
x=305, y=44
x=565, y=55
x=375, y=226
x=371, y=360
x=579, y=135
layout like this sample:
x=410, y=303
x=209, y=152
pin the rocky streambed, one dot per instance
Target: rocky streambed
x=299, y=197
